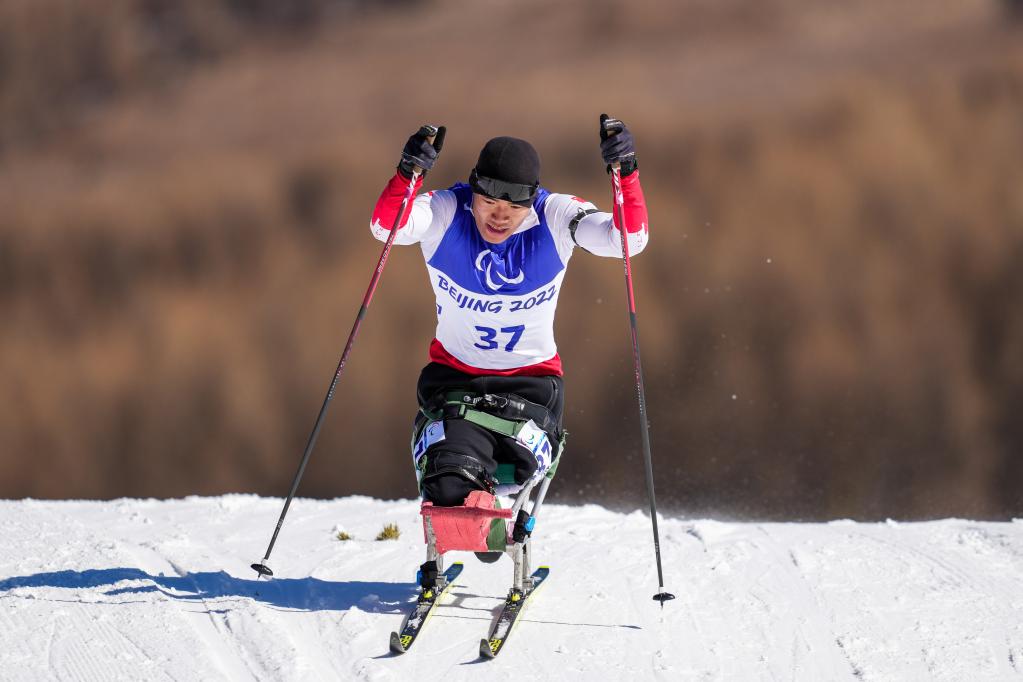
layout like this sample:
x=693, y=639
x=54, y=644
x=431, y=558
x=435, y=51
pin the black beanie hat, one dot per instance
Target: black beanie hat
x=509, y=169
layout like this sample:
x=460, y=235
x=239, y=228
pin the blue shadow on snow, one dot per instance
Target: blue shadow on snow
x=304, y=594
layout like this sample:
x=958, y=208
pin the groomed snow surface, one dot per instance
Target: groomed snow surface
x=162, y=590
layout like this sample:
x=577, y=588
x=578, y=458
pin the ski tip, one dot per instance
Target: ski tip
x=396, y=646
x=663, y=597
x=486, y=650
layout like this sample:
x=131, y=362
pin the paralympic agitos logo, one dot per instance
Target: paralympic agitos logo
x=485, y=264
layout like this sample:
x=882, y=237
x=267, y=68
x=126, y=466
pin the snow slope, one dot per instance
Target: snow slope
x=162, y=590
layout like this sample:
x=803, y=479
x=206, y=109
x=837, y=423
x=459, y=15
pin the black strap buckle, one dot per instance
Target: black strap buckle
x=486, y=400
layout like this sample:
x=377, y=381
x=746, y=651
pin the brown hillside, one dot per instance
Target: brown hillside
x=829, y=308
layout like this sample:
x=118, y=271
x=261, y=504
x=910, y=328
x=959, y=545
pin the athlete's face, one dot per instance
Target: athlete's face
x=496, y=219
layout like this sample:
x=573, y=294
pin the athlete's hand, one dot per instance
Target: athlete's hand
x=617, y=145
x=421, y=150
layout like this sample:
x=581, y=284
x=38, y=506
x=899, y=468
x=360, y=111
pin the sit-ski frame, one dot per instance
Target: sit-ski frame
x=518, y=551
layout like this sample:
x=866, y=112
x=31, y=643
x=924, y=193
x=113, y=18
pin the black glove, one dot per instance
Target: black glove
x=420, y=152
x=617, y=145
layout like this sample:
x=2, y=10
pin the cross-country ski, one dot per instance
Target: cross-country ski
x=514, y=604
x=420, y=613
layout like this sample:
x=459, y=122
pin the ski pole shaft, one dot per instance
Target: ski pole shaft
x=619, y=201
x=261, y=568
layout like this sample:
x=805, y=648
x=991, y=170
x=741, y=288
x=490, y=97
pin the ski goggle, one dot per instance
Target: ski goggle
x=499, y=189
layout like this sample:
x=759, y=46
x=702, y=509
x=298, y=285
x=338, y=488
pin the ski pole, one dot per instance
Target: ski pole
x=261, y=568
x=616, y=186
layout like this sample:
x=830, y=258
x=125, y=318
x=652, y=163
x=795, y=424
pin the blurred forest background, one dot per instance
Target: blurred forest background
x=830, y=311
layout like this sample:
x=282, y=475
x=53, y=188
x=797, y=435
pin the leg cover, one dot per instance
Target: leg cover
x=448, y=490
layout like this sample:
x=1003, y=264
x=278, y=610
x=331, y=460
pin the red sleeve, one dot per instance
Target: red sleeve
x=634, y=206
x=390, y=199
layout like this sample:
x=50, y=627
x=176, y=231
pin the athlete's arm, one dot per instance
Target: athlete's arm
x=418, y=156
x=425, y=213
x=576, y=222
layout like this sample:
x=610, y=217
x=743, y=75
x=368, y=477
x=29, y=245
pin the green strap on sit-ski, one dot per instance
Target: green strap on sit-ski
x=500, y=425
x=505, y=427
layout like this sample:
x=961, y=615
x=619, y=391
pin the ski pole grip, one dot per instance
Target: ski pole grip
x=611, y=131
x=431, y=132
